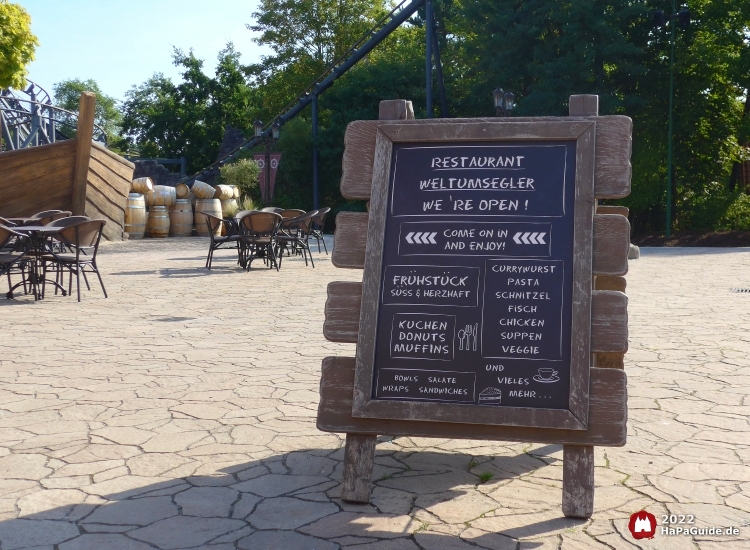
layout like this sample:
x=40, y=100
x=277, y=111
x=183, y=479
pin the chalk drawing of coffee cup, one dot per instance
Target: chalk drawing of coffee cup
x=546, y=376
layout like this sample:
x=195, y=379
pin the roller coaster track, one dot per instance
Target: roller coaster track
x=28, y=118
x=385, y=26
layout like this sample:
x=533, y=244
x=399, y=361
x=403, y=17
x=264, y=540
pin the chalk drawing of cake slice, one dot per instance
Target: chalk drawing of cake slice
x=490, y=395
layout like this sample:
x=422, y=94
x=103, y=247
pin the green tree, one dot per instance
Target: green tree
x=17, y=45
x=543, y=51
x=107, y=115
x=305, y=37
x=188, y=119
x=707, y=118
x=546, y=51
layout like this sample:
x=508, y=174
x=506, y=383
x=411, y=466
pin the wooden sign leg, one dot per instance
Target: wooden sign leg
x=359, y=459
x=359, y=455
x=578, y=481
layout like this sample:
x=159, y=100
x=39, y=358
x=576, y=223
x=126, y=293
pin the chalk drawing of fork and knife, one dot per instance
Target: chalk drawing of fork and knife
x=467, y=337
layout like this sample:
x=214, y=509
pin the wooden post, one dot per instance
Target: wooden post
x=578, y=481
x=84, y=136
x=359, y=454
x=578, y=460
x=583, y=105
x=359, y=460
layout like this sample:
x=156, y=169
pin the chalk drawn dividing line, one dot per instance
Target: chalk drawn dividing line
x=529, y=238
x=421, y=238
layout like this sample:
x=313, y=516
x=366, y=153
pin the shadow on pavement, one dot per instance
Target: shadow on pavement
x=286, y=501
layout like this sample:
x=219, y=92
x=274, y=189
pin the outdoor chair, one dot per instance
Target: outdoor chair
x=258, y=232
x=274, y=209
x=9, y=259
x=11, y=244
x=295, y=235
x=242, y=213
x=318, y=223
x=44, y=218
x=57, y=242
x=213, y=224
x=285, y=230
x=290, y=213
x=82, y=238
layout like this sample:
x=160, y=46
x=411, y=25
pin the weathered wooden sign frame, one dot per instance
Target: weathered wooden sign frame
x=576, y=416
x=607, y=410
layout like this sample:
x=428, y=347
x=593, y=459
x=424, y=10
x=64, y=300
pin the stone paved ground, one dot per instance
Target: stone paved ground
x=179, y=413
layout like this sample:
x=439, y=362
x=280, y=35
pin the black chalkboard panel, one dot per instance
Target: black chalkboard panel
x=475, y=298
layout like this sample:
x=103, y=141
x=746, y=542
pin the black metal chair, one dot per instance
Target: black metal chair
x=242, y=213
x=318, y=223
x=56, y=242
x=258, y=231
x=290, y=213
x=82, y=238
x=294, y=235
x=232, y=238
x=9, y=258
x=48, y=216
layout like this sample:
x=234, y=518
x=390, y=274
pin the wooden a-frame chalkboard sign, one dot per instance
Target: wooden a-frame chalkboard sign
x=492, y=304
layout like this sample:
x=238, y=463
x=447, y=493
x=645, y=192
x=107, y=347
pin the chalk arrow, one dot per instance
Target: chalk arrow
x=432, y=238
x=540, y=238
x=532, y=238
x=525, y=238
x=516, y=238
x=417, y=235
x=408, y=237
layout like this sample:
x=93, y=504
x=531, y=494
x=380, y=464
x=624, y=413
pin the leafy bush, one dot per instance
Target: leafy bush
x=737, y=216
x=243, y=174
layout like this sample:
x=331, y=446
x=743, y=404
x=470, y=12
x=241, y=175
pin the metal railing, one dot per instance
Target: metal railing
x=33, y=120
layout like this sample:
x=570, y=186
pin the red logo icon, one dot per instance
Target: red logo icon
x=642, y=525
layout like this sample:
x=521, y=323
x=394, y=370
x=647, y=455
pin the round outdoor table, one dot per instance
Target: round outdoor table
x=38, y=235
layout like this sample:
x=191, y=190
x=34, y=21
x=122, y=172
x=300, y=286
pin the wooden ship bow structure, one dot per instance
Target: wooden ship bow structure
x=41, y=169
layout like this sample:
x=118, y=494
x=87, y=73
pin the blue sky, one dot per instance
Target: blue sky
x=120, y=44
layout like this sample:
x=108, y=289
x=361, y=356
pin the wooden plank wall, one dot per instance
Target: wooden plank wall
x=107, y=187
x=37, y=179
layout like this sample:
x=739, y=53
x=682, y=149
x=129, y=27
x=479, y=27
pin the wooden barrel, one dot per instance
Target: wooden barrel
x=158, y=222
x=181, y=190
x=210, y=206
x=142, y=185
x=202, y=190
x=135, y=216
x=162, y=195
x=229, y=208
x=224, y=192
x=181, y=219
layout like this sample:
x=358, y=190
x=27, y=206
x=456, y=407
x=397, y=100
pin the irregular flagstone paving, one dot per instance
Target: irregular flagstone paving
x=180, y=413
